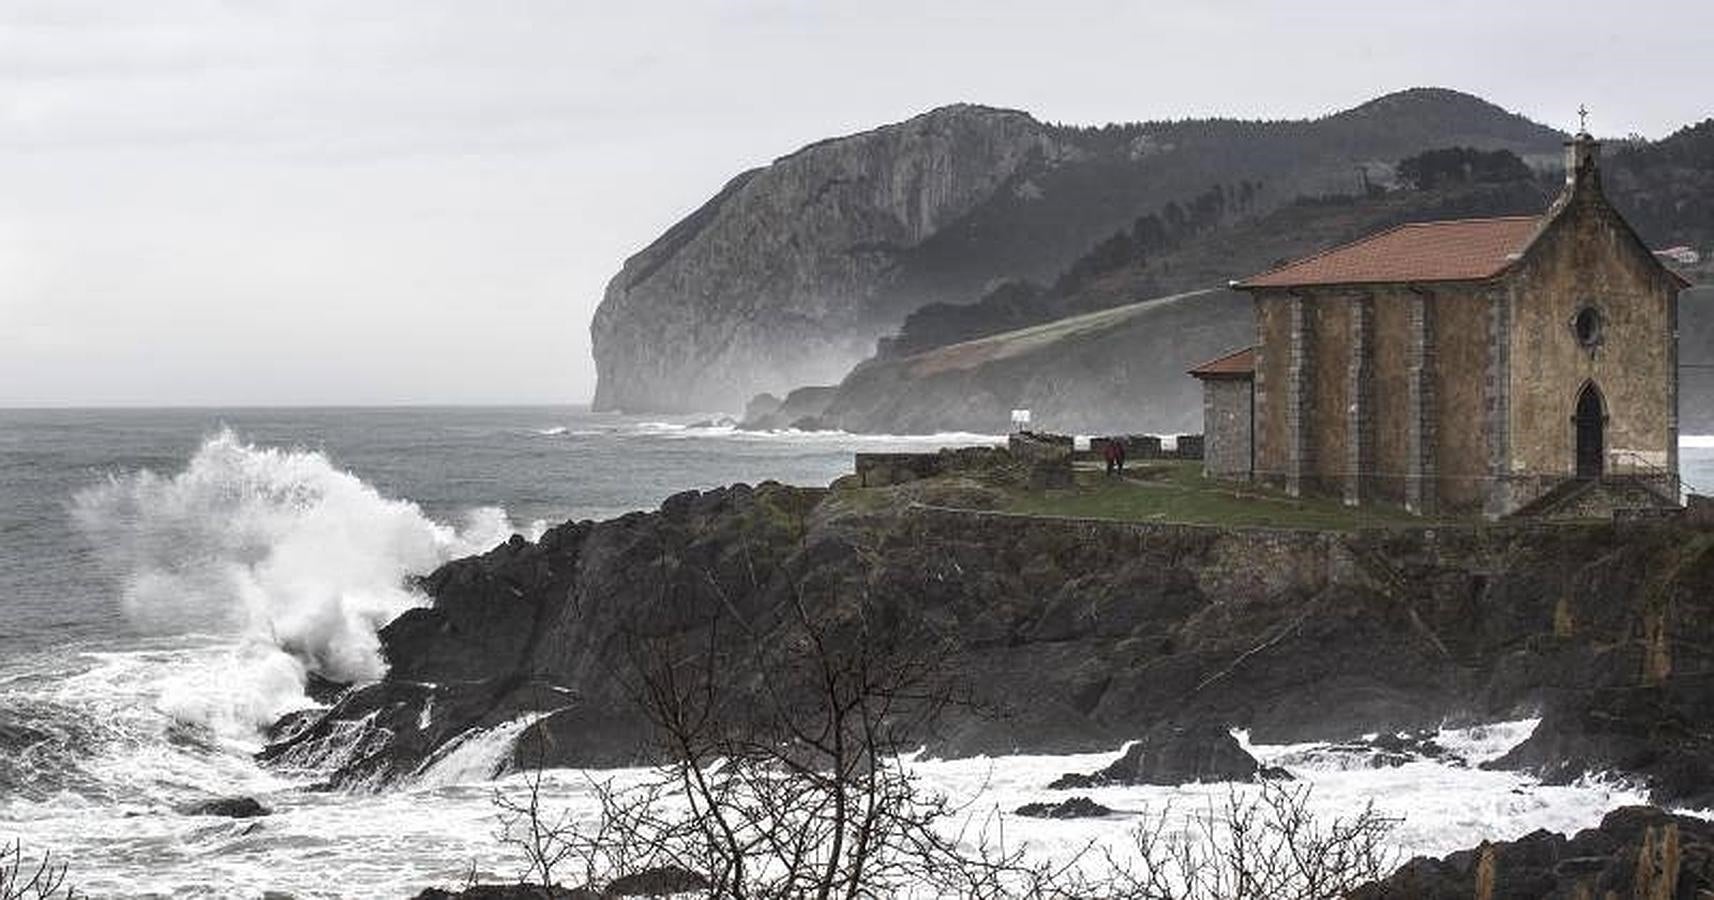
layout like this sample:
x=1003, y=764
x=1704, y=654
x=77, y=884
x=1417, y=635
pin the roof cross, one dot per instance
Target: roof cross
x=1583, y=119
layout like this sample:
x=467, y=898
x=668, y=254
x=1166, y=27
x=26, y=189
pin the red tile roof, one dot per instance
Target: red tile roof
x=1458, y=250
x=1237, y=364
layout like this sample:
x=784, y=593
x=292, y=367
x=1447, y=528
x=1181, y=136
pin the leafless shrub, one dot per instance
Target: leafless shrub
x=795, y=786
x=24, y=879
x=1262, y=846
x=786, y=776
x=543, y=836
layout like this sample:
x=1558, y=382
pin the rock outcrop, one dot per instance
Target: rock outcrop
x=1173, y=754
x=782, y=278
x=1069, y=635
x=228, y=807
x=788, y=275
x=1637, y=853
x=1074, y=808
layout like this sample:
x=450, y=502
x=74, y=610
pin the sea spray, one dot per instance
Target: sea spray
x=297, y=560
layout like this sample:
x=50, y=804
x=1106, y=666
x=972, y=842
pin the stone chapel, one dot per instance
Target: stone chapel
x=1477, y=366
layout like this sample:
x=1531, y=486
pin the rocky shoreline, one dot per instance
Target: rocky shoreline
x=1074, y=635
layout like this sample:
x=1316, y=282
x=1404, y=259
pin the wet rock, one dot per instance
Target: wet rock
x=657, y=882
x=1389, y=751
x=324, y=690
x=1637, y=853
x=662, y=881
x=230, y=807
x=1657, y=734
x=801, y=409
x=509, y=892
x=1170, y=755
x=1075, y=808
x=292, y=724
x=759, y=408
x=1064, y=635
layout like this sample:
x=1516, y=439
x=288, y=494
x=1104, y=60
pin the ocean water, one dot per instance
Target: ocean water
x=167, y=577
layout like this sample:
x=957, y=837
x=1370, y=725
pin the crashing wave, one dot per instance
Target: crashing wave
x=300, y=561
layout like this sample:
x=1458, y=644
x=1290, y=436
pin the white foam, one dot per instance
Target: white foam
x=385, y=845
x=298, y=560
x=480, y=754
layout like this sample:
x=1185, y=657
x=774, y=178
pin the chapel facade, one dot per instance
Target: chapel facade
x=1460, y=367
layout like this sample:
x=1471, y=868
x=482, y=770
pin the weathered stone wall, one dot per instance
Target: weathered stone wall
x=1329, y=321
x=1390, y=395
x=1273, y=338
x=1226, y=426
x=1048, y=457
x=1460, y=398
x=1460, y=365
x=1589, y=257
x=1137, y=446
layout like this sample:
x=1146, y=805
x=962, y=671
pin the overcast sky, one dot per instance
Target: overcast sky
x=419, y=201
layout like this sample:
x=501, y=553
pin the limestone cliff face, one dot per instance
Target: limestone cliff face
x=778, y=281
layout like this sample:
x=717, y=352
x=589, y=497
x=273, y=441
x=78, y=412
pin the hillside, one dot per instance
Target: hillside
x=790, y=273
x=1139, y=262
x=1115, y=370
x=884, y=395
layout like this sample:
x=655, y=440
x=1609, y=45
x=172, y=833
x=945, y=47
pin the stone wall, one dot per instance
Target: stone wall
x=1459, y=367
x=1391, y=394
x=1137, y=446
x=1227, y=427
x=1273, y=359
x=1048, y=457
x=1328, y=322
x=1460, y=398
x=1588, y=257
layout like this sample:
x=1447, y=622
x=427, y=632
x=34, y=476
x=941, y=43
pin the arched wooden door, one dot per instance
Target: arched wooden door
x=1591, y=425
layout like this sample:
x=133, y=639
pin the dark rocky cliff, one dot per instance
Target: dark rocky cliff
x=777, y=280
x=1070, y=634
x=791, y=272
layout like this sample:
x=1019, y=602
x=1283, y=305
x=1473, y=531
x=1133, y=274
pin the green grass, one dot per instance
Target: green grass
x=1178, y=492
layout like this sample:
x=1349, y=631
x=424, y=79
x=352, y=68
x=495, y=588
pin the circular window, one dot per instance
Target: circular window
x=1586, y=325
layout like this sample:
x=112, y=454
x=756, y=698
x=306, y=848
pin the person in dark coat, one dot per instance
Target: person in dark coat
x=1111, y=451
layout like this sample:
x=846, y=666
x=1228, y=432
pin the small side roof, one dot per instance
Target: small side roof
x=1237, y=364
x=1455, y=250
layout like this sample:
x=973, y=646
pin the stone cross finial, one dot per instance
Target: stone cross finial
x=1583, y=119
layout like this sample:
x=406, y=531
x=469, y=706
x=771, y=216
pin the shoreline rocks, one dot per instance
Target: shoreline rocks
x=1070, y=636
x=228, y=807
x=1636, y=853
x=1074, y=808
x=1173, y=755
